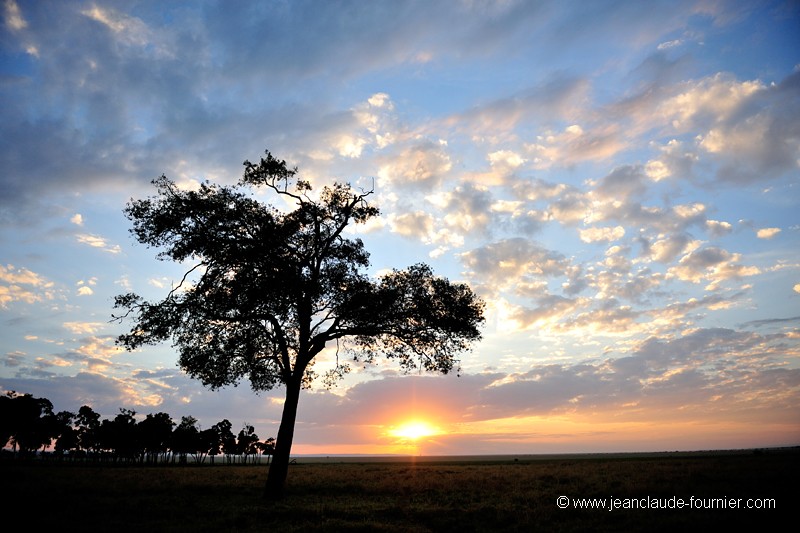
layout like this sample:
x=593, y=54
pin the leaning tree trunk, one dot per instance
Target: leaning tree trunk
x=279, y=468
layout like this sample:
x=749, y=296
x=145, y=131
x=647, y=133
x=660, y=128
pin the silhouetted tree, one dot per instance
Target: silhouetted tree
x=6, y=414
x=185, y=438
x=65, y=433
x=210, y=443
x=29, y=423
x=155, y=433
x=267, y=448
x=88, y=422
x=273, y=288
x=120, y=437
x=246, y=442
x=226, y=442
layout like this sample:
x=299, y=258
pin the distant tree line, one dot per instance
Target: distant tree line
x=31, y=428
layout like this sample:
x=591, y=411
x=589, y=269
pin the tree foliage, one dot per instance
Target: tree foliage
x=267, y=289
x=28, y=424
x=274, y=288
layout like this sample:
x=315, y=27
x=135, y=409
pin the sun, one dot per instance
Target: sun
x=414, y=430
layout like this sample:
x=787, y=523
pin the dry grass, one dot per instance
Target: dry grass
x=403, y=496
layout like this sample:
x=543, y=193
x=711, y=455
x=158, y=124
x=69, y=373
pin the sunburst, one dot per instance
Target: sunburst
x=414, y=430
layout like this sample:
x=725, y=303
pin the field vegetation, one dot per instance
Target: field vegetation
x=407, y=494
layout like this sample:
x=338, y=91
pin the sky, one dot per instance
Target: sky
x=618, y=180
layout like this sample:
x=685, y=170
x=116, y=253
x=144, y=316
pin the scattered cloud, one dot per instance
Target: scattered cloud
x=96, y=241
x=711, y=264
x=595, y=208
x=83, y=328
x=602, y=234
x=21, y=284
x=13, y=16
x=767, y=233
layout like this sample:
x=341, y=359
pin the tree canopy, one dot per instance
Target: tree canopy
x=29, y=425
x=267, y=289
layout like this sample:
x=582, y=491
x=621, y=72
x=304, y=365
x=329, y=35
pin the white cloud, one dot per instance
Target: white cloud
x=159, y=283
x=83, y=328
x=601, y=234
x=84, y=288
x=381, y=100
x=424, y=164
x=549, y=311
x=718, y=228
x=767, y=233
x=512, y=263
x=574, y=145
x=711, y=264
x=349, y=146
x=14, y=19
x=710, y=100
x=12, y=286
x=96, y=241
x=749, y=128
x=85, y=291
x=418, y=224
x=378, y=127
x=674, y=160
x=670, y=44
x=77, y=219
x=11, y=274
x=506, y=158
x=129, y=30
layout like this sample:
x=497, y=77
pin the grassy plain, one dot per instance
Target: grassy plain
x=407, y=494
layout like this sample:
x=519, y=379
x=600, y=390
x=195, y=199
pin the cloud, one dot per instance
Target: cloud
x=668, y=247
x=667, y=376
x=425, y=164
x=468, y=209
x=574, y=145
x=548, y=311
x=674, y=160
x=13, y=282
x=84, y=286
x=670, y=44
x=762, y=141
x=719, y=375
x=718, y=228
x=748, y=127
x=767, y=233
x=97, y=241
x=556, y=99
x=577, y=201
x=506, y=158
x=14, y=19
x=602, y=234
x=83, y=328
x=127, y=29
x=509, y=262
x=621, y=184
x=712, y=264
x=418, y=224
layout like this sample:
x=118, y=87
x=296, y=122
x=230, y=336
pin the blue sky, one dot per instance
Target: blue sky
x=618, y=180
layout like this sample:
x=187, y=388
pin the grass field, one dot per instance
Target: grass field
x=411, y=495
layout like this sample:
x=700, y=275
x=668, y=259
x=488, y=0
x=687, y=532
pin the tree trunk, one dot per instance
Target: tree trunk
x=279, y=468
